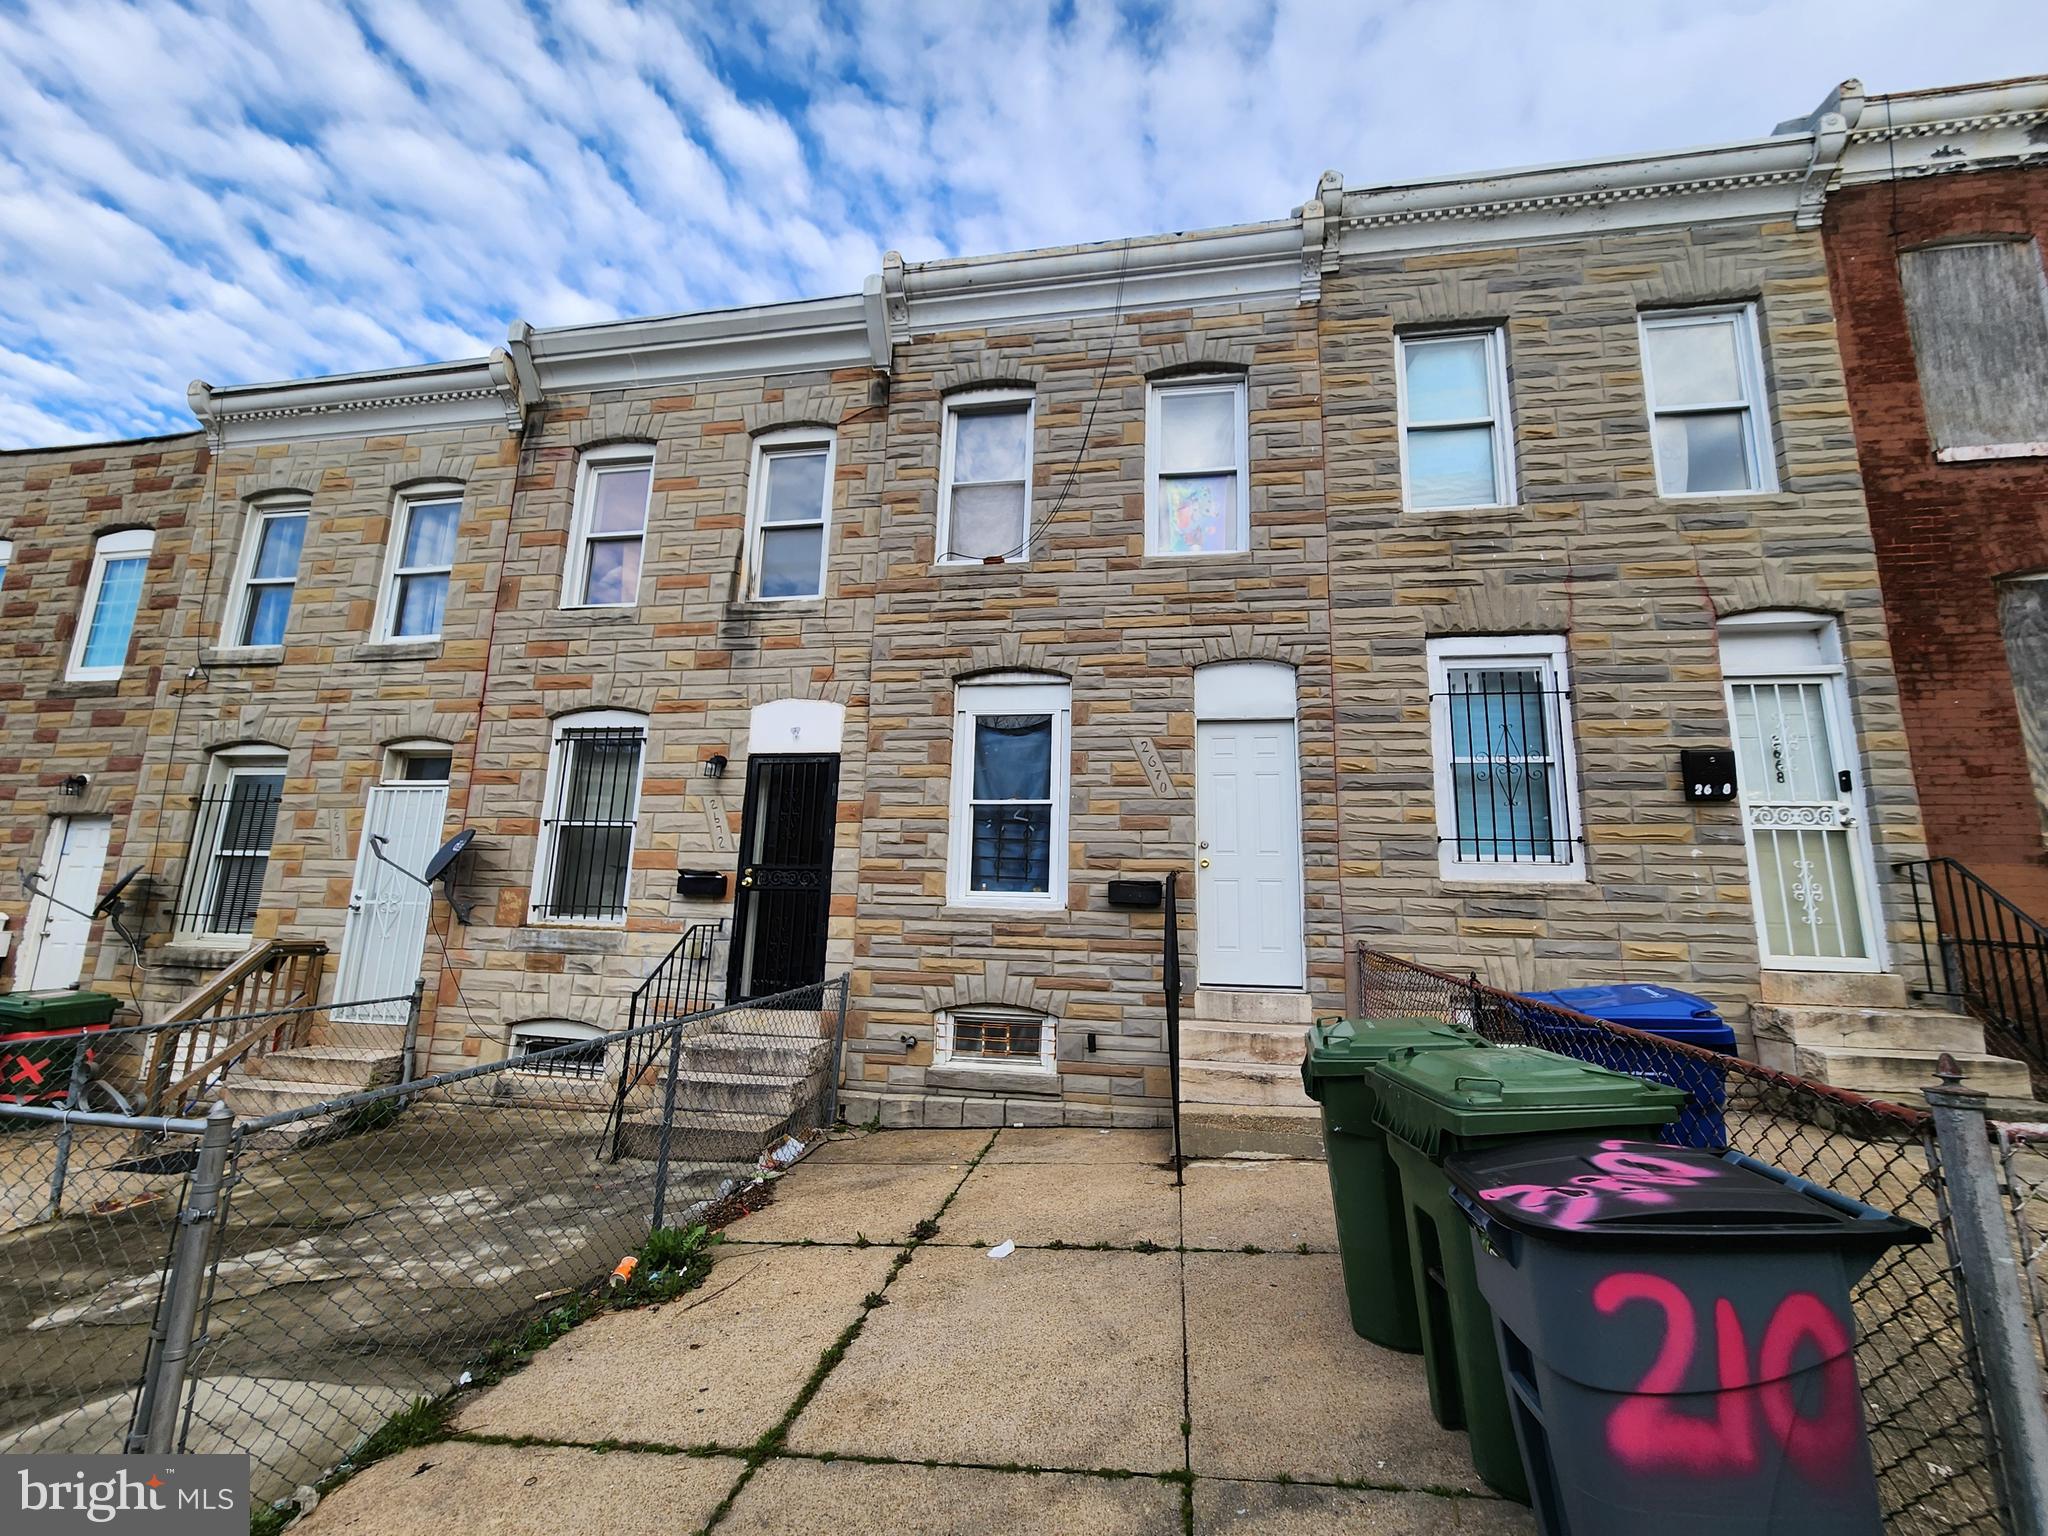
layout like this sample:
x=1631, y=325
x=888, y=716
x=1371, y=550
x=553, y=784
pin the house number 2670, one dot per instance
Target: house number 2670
x=1647, y=1433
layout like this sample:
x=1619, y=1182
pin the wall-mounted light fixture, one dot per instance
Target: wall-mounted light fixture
x=75, y=785
x=714, y=766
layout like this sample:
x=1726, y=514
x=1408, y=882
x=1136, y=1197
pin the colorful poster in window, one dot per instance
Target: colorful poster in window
x=1197, y=515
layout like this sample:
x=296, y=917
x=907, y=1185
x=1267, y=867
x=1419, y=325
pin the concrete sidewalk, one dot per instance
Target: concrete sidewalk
x=1149, y=1359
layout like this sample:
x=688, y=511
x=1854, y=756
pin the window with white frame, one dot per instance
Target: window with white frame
x=1709, y=428
x=591, y=801
x=1011, y=770
x=790, y=515
x=1457, y=435
x=558, y=1048
x=995, y=1035
x=608, y=528
x=1197, y=478
x=233, y=826
x=113, y=594
x=985, y=478
x=6, y=559
x=414, y=602
x=1501, y=735
x=266, y=574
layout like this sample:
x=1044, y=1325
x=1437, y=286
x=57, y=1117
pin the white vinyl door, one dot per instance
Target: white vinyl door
x=1248, y=866
x=55, y=936
x=1796, y=773
x=388, y=909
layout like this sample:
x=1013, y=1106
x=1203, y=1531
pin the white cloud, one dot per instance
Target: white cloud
x=245, y=191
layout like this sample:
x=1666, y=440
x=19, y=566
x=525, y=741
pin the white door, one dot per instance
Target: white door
x=388, y=909
x=1798, y=777
x=55, y=936
x=1248, y=865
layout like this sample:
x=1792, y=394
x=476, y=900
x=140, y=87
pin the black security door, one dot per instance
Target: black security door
x=784, y=891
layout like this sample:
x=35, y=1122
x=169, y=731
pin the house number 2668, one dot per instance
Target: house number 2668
x=1647, y=1433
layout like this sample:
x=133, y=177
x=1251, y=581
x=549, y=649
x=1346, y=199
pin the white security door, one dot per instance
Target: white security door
x=55, y=936
x=1796, y=773
x=1248, y=866
x=387, y=908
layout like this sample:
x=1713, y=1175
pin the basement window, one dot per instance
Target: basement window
x=1979, y=317
x=558, y=1048
x=995, y=1036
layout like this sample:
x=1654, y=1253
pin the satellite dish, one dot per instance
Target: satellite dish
x=112, y=899
x=447, y=854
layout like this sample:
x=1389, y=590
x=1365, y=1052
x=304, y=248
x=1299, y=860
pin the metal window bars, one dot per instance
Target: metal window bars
x=1508, y=777
x=229, y=852
x=999, y=1034
x=588, y=832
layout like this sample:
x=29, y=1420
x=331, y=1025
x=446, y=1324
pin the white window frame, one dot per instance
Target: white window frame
x=256, y=517
x=6, y=559
x=562, y=1031
x=1548, y=654
x=222, y=769
x=1028, y=694
x=1749, y=354
x=972, y=403
x=550, y=833
x=1236, y=386
x=385, y=627
x=1499, y=421
x=945, y=1053
x=401, y=753
x=769, y=445
x=106, y=549
x=576, y=569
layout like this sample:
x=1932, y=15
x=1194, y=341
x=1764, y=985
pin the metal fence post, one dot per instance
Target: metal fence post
x=72, y=1095
x=830, y=1117
x=407, y=1071
x=2010, y=1374
x=163, y=1386
x=668, y=1122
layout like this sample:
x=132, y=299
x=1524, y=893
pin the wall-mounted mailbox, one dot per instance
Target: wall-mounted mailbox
x=1139, y=895
x=1709, y=772
x=700, y=882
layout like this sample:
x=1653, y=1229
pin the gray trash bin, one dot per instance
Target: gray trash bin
x=1675, y=1331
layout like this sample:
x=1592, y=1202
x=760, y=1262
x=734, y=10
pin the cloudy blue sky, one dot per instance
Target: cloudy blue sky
x=243, y=192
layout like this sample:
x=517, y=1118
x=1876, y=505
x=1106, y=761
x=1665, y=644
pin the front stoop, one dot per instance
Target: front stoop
x=1240, y=1075
x=1860, y=1031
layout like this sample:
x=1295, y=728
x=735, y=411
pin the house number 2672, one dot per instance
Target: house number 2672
x=1647, y=1433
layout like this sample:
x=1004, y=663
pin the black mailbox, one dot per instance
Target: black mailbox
x=1709, y=772
x=700, y=882
x=1140, y=895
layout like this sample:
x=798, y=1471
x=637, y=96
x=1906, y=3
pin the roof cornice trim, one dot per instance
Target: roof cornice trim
x=432, y=397
x=1935, y=133
x=803, y=336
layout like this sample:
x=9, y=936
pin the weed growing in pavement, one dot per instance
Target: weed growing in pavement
x=924, y=1231
x=1147, y=1246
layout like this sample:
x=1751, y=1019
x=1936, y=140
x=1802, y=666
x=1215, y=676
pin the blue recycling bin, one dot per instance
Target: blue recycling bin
x=1662, y=1011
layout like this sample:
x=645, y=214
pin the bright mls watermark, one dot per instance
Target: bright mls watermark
x=163, y=1495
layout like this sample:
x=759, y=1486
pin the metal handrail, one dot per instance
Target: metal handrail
x=677, y=987
x=1985, y=950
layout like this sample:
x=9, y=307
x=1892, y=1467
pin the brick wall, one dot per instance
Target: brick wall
x=1944, y=532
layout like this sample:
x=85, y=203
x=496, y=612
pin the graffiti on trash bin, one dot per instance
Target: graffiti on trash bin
x=1629, y=1172
x=1647, y=1433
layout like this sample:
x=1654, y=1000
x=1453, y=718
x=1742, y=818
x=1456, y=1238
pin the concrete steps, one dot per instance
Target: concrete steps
x=1859, y=1031
x=253, y=1097
x=704, y=1136
x=351, y=1068
x=1240, y=1075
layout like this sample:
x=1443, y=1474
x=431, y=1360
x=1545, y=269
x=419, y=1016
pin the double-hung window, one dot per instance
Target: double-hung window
x=1501, y=734
x=1709, y=429
x=985, y=478
x=1011, y=766
x=587, y=820
x=1196, y=469
x=790, y=515
x=268, y=574
x=609, y=529
x=414, y=603
x=1457, y=439
x=113, y=593
x=230, y=850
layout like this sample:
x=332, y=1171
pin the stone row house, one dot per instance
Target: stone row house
x=1370, y=572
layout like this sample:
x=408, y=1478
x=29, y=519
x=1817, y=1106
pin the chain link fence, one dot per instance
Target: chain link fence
x=1922, y=1395
x=367, y=1248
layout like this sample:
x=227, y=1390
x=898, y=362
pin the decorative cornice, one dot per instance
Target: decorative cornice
x=806, y=336
x=1934, y=133
x=432, y=397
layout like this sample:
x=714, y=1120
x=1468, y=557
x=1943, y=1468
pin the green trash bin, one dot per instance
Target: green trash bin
x=1365, y=1192
x=1434, y=1103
